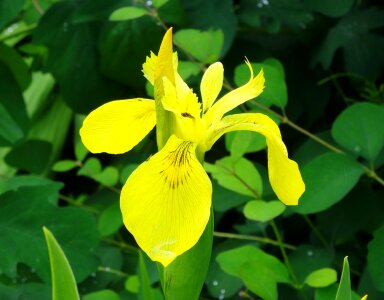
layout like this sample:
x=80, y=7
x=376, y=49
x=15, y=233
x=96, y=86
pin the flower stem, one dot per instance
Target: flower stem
x=252, y=238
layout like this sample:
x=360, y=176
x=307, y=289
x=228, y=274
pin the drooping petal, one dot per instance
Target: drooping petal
x=250, y=90
x=211, y=85
x=117, y=126
x=166, y=201
x=284, y=174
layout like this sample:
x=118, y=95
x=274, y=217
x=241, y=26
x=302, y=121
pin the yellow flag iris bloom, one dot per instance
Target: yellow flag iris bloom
x=166, y=201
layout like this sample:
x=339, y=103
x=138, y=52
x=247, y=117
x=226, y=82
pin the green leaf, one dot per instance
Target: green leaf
x=224, y=199
x=32, y=155
x=344, y=290
x=90, y=167
x=329, y=7
x=64, y=165
x=237, y=174
x=127, y=13
x=321, y=278
x=259, y=271
x=82, y=86
x=132, y=284
x=239, y=143
x=357, y=129
x=199, y=15
x=9, y=10
x=80, y=151
x=26, y=291
x=376, y=258
x=16, y=65
x=22, y=215
x=145, y=290
x=63, y=282
x=355, y=35
x=263, y=211
x=307, y=258
x=123, y=49
x=110, y=220
x=102, y=295
x=275, y=91
x=108, y=177
x=185, y=276
x=14, y=121
x=328, y=178
x=205, y=46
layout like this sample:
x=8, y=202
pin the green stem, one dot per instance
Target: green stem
x=284, y=253
x=262, y=240
x=112, y=271
x=316, y=231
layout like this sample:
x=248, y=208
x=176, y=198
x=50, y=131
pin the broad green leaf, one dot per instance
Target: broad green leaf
x=355, y=35
x=110, y=220
x=259, y=271
x=224, y=199
x=329, y=293
x=82, y=86
x=275, y=91
x=184, y=277
x=108, y=177
x=376, y=259
x=90, y=167
x=238, y=175
x=199, y=15
x=358, y=129
x=321, y=278
x=32, y=155
x=123, y=49
x=52, y=125
x=127, y=13
x=80, y=151
x=145, y=290
x=344, y=290
x=32, y=290
x=14, y=121
x=271, y=16
x=205, y=46
x=263, y=211
x=187, y=69
x=239, y=143
x=306, y=259
x=64, y=165
x=102, y=295
x=328, y=178
x=9, y=10
x=16, y=64
x=22, y=215
x=63, y=282
x=132, y=284
x=329, y=7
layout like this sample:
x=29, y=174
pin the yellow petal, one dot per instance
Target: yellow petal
x=166, y=201
x=364, y=297
x=117, y=126
x=250, y=90
x=165, y=61
x=284, y=173
x=211, y=85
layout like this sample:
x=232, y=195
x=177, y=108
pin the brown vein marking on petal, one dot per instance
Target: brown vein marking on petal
x=178, y=166
x=187, y=115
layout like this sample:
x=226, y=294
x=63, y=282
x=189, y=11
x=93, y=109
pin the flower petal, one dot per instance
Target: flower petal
x=250, y=90
x=211, y=84
x=284, y=173
x=166, y=201
x=117, y=126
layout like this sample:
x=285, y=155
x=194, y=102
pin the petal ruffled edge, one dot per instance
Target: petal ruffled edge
x=166, y=201
x=284, y=173
x=117, y=126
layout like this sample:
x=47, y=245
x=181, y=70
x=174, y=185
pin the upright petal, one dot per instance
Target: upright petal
x=117, y=126
x=166, y=201
x=211, y=85
x=250, y=90
x=284, y=173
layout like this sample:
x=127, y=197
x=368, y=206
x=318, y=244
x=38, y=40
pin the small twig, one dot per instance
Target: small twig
x=37, y=6
x=252, y=238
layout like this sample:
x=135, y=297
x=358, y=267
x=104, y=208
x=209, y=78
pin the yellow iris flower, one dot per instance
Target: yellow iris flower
x=166, y=201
